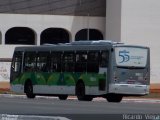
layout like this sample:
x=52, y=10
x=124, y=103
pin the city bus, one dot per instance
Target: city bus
x=86, y=69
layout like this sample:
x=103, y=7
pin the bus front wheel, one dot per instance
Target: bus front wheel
x=114, y=98
x=29, y=90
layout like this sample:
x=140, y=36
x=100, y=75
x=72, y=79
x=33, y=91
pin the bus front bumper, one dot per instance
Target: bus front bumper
x=129, y=89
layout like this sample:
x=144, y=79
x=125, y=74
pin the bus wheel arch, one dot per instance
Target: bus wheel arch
x=28, y=89
x=80, y=92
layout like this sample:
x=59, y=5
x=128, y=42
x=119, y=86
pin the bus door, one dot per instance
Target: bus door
x=42, y=67
x=103, y=69
x=16, y=66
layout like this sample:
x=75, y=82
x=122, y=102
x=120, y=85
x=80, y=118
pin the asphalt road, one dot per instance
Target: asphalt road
x=72, y=107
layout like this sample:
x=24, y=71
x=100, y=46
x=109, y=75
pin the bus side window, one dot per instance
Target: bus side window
x=30, y=61
x=104, y=59
x=81, y=62
x=16, y=63
x=56, y=61
x=93, y=61
x=68, y=62
x=43, y=61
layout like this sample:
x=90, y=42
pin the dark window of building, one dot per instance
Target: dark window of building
x=20, y=35
x=54, y=36
x=89, y=34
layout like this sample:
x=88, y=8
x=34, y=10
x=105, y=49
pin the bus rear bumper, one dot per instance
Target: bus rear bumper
x=129, y=89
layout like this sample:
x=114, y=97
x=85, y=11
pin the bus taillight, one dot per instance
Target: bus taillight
x=115, y=76
x=146, y=75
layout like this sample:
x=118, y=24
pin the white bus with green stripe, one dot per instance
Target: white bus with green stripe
x=86, y=69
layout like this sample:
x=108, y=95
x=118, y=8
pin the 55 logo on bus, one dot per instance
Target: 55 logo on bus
x=124, y=55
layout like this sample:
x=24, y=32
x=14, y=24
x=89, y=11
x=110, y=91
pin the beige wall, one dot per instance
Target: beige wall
x=130, y=21
x=113, y=20
x=136, y=22
x=38, y=23
x=140, y=24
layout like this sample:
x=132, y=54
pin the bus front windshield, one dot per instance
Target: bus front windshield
x=134, y=57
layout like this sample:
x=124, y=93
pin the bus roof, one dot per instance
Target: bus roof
x=77, y=45
x=98, y=42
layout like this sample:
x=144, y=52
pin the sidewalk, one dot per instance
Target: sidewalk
x=4, y=86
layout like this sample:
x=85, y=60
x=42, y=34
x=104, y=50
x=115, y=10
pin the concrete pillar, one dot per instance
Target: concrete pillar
x=113, y=20
x=0, y=38
x=3, y=37
x=38, y=38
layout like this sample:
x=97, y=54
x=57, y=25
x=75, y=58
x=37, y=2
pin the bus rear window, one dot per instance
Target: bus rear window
x=131, y=56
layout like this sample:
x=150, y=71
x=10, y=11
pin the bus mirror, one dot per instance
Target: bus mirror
x=12, y=67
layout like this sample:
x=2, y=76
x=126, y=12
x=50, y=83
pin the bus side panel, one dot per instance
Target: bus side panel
x=55, y=83
x=95, y=84
x=61, y=79
x=18, y=84
x=64, y=83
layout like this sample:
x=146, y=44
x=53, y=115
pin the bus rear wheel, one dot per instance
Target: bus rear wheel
x=80, y=92
x=63, y=97
x=29, y=90
x=114, y=98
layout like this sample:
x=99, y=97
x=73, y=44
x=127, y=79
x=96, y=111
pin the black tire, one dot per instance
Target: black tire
x=80, y=92
x=63, y=97
x=29, y=90
x=88, y=98
x=114, y=98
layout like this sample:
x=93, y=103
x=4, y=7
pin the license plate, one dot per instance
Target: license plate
x=131, y=81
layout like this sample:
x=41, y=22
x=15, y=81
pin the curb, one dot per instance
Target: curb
x=99, y=99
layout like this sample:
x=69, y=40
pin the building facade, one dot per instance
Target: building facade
x=32, y=22
x=136, y=22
